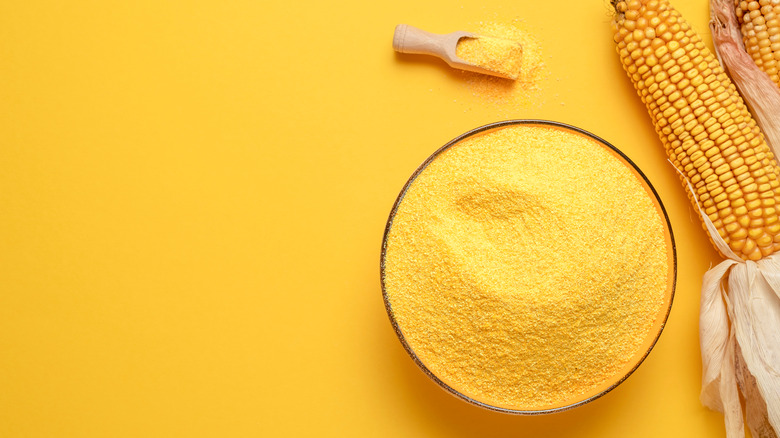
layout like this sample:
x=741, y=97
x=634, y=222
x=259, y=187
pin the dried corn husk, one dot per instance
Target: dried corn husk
x=719, y=385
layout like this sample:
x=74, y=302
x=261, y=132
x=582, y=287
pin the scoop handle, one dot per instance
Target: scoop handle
x=409, y=39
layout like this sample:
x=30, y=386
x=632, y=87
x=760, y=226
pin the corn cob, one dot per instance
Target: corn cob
x=760, y=25
x=707, y=131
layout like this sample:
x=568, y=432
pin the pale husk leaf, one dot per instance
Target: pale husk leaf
x=770, y=268
x=713, y=334
x=755, y=318
x=719, y=385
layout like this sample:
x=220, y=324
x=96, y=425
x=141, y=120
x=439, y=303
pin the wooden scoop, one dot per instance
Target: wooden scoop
x=409, y=39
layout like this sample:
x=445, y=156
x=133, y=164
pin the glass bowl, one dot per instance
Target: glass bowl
x=659, y=318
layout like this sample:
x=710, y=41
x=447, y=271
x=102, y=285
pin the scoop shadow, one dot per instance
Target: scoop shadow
x=431, y=62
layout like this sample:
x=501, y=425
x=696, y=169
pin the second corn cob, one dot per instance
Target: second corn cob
x=707, y=131
x=760, y=25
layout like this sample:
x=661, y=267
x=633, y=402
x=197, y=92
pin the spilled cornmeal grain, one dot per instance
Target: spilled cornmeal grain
x=526, y=90
x=527, y=267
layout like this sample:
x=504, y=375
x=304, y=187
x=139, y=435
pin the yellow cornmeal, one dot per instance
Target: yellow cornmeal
x=495, y=54
x=502, y=95
x=527, y=267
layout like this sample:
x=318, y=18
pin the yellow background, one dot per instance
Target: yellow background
x=192, y=201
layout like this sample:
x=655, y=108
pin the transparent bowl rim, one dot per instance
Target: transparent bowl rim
x=424, y=165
